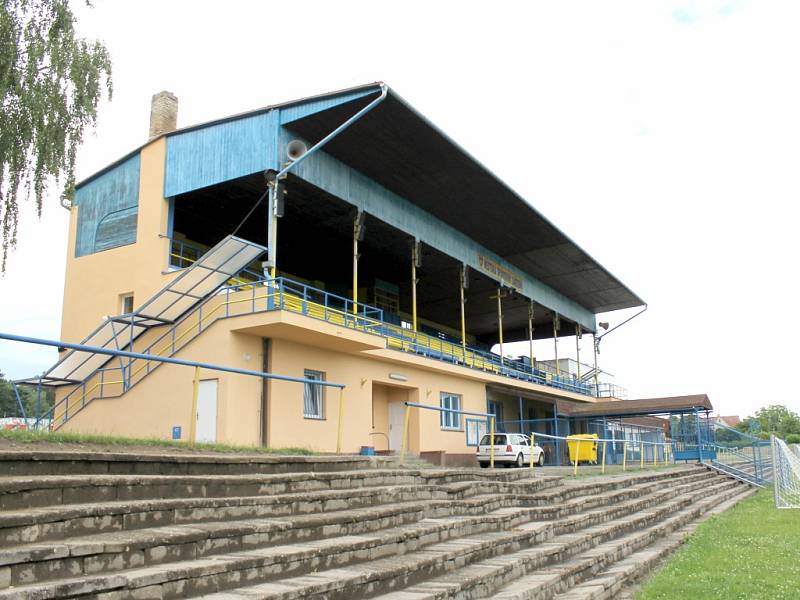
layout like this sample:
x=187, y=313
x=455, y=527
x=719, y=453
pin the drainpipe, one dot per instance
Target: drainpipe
x=273, y=204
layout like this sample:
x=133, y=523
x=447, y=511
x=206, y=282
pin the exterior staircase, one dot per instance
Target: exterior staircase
x=76, y=525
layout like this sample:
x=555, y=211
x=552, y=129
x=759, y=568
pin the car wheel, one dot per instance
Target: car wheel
x=540, y=462
x=520, y=461
x=483, y=465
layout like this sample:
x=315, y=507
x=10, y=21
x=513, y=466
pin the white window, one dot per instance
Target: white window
x=313, y=395
x=126, y=303
x=450, y=420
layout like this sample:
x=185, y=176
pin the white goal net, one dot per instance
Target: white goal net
x=786, y=474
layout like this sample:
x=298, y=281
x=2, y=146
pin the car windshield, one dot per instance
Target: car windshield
x=499, y=440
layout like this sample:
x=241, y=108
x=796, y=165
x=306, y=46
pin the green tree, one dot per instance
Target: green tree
x=51, y=82
x=9, y=407
x=775, y=419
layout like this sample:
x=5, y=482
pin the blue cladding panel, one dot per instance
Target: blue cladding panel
x=107, y=209
x=335, y=177
x=216, y=153
x=298, y=111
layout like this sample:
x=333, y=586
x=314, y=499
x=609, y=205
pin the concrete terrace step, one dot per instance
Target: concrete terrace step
x=154, y=463
x=543, y=567
x=19, y=492
x=262, y=519
x=380, y=575
x=127, y=549
x=58, y=522
x=90, y=555
x=547, y=583
x=608, y=583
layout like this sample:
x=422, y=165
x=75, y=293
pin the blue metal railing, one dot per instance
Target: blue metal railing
x=740, y=455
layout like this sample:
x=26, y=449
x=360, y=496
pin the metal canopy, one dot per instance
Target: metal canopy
x=637, y=407
x=401, y=150
x=189, y=288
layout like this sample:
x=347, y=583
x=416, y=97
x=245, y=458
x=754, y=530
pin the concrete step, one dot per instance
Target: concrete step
x=58, y=522
x=610, y=582
x=20, y=463
x=384, y=574
x=17, y=492
x=547, y=583
x=542, y=568
x=111, y=552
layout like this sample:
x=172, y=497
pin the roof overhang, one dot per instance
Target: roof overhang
x=636, y=408
x=397, y=147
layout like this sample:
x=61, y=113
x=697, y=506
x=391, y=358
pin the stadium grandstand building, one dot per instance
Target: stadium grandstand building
x=341, y=238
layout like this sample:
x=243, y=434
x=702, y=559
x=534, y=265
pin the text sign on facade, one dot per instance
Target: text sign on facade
x=501, y=274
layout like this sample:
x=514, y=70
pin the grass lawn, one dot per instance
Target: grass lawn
x=77, y=441
x=751, y=551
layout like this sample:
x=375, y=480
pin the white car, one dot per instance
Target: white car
x=509, y=449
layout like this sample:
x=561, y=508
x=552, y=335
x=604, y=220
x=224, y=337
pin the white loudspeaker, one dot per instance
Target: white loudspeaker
x=295, y=149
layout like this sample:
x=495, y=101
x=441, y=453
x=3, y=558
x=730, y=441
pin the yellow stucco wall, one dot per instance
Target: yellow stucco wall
x=163, y=398
x=93, y=283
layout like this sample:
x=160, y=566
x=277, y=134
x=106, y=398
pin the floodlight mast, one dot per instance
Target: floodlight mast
x=272, y=218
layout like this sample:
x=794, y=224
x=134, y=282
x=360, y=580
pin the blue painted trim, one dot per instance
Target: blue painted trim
x=115, y=192
x=298, y=111
x=229, y=150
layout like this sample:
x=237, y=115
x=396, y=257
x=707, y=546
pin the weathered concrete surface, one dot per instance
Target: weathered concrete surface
x=336, y=529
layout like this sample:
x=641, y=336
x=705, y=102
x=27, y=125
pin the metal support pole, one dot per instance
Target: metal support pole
x=341, y=422
x=463, y=314
x=530, y=459
x=699, y=438
x=557, y=442
x=577, y=456
x=404, y=443
x=596, y=371
x=414, y=250
x=641, y=453
x=19, y=402
x=603, y=469
x=624, y=455
x=500, y=321
x=272, y=229
x=193, y=420
x=521, y=415
x=491, y=441
x=38, y=403
x=555, y=342
x=356, y=233
x=578, y=334
x=530, y=335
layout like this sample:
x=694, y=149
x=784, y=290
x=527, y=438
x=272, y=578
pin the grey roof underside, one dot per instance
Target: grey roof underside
x=401, y=150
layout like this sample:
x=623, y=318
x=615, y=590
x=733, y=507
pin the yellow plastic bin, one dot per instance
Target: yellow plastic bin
x=584, y=450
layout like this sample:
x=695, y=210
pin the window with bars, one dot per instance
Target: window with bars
x=313, y=395
x=449, y=420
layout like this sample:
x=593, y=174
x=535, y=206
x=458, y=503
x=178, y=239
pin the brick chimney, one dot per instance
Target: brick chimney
x=163, y=113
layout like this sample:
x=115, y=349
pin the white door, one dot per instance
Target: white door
x=396, y=416
x=207, y=411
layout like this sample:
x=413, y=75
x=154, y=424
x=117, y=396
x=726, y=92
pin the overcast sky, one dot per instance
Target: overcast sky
x=661, y=136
